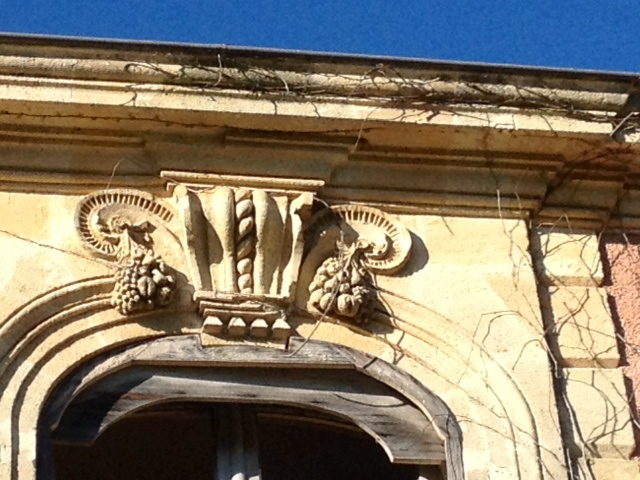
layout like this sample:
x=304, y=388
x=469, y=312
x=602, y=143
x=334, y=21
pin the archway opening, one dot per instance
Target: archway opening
x=173, y=409
x=182, y=441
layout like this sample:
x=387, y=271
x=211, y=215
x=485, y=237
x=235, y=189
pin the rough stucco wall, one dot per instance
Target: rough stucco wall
x=621, y=259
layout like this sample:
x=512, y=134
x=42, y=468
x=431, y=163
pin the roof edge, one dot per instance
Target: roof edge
x=76, y=44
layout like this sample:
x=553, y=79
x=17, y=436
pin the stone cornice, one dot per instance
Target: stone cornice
x=383, y=82
x=413, y=136
x=212, y=106
x=275, y=70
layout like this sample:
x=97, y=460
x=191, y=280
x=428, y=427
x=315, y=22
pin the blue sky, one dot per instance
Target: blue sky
x=585, y=34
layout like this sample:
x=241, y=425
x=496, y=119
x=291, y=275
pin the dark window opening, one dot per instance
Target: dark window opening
x=175, y=445
x=292, y=448
x=180, y=442
x=170, y=416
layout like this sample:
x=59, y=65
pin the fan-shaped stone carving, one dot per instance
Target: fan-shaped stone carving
x=350, y=243
x=390, y=239
x=115, y=224
x=96, y=211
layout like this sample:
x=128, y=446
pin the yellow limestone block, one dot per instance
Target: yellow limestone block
x=599, y=400
x=571, y=259
x=585, y=332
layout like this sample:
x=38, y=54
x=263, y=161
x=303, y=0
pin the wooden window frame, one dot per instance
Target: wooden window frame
x=411, y=424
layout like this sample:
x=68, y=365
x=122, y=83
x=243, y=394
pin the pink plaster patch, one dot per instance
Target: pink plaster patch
x=621, y=258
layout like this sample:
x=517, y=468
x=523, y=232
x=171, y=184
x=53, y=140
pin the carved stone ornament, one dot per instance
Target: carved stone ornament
x=244, y=244
x=366, y=241
x=114, y=225
x=342, y=284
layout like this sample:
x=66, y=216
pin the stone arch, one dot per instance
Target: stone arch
x=407, y=432
x=48, y=338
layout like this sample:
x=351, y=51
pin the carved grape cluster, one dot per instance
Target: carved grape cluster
x=343, y=286
x=142, y=283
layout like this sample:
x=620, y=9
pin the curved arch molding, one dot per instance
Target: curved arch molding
x=48, y=339
x=322, y=376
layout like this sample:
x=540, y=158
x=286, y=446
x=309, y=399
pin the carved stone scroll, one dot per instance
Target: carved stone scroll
x=349, y=244
x=95, y=210
x=115, y=224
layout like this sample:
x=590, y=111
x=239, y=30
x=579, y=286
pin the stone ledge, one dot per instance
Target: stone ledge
x=570, y=258
x=606, y=469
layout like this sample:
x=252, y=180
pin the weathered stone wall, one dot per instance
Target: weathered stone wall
x=468, y=324
x=521, y=348
x=516, y=328
x=461, y=316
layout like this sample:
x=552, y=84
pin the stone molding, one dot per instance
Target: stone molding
x=230, y=68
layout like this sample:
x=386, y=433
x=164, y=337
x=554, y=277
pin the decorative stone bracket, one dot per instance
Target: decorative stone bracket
x=244, y=245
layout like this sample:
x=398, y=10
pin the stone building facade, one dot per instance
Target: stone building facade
x=226, y=263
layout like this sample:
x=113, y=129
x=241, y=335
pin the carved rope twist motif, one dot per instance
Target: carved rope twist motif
x=245, y=239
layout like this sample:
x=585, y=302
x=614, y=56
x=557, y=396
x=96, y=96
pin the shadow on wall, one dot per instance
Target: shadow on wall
x=383, y=311
x=419, y=257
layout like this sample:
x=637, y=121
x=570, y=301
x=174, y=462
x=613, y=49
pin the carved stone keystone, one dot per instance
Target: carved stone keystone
x=244, y=244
